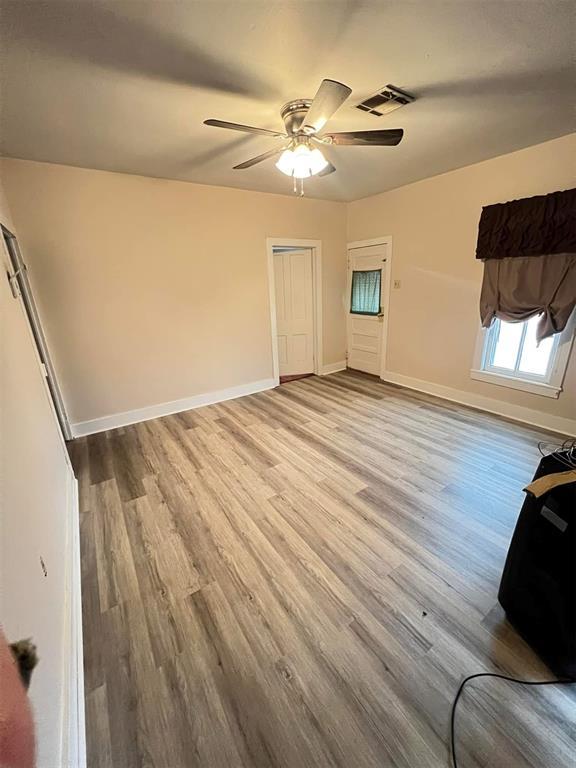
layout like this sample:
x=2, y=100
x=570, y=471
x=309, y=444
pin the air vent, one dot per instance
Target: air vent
x=386, y=100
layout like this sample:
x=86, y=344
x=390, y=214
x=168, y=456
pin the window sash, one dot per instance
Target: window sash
x=515, y=373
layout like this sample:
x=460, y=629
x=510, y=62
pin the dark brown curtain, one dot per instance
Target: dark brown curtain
x=529, y=252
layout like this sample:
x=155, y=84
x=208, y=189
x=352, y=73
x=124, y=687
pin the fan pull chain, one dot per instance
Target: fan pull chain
x=295, y=186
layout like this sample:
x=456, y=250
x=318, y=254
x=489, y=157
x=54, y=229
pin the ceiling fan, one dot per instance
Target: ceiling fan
x=300, y=154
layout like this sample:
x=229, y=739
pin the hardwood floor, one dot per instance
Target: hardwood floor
x=302, y=577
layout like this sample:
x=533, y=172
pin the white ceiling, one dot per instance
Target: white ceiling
x=125, y=85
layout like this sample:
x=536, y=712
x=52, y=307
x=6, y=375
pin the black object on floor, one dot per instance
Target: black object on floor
x=538, y=587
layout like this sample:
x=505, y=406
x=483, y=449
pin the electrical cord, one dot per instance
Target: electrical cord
x=501, y=677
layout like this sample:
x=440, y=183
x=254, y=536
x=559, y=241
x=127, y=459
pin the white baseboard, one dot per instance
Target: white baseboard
x=333, y=368
x=510, y=410
x=82, y=428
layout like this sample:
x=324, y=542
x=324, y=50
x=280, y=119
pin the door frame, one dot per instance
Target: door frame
x=315, y=247
x=17, y=274
x=357, y=244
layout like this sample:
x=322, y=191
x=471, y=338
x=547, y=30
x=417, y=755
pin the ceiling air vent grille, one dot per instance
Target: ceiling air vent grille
x=386, y=100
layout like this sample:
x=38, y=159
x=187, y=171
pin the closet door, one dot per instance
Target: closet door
x=294, y=311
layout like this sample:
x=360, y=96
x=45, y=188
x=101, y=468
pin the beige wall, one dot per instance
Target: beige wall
x=153, y=290
x=36, y=504
x=434, y=317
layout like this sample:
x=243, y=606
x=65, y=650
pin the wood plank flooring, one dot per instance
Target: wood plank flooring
x=302, y=578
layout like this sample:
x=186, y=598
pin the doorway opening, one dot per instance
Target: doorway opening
x=295, y=285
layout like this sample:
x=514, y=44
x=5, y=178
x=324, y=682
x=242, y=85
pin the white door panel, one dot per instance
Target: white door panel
x=283, y=350
x=366, y=331
x=294, y=311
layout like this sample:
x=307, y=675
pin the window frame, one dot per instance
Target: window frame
x=548, y=385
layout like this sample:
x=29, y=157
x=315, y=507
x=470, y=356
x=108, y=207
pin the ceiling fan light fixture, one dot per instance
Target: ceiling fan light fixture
x=301, y=162
x=285, y=162
x=317, y=161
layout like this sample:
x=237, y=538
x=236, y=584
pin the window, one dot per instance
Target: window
x=510, y=356
x=513, y=350
x=365, y=298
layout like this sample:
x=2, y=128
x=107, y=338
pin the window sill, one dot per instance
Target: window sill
x=534, y=387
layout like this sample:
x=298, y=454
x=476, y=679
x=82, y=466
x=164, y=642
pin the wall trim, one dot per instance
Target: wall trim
x=81, y=428
x=515, y=382
x=73, y=745
x=370, y=242
x=333, y=368
x=511, y=411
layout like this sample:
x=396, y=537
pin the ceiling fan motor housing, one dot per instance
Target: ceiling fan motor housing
x=293, y=114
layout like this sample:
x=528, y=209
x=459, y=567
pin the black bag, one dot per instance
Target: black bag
x=538, y=587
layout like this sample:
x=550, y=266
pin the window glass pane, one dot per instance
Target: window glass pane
x=366, y=292
x=507, y=344
x=535, y=358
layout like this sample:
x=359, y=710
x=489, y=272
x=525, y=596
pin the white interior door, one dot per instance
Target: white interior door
x=367, y=279
x=294, y=311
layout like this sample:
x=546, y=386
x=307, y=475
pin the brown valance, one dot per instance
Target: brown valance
x=534, y=226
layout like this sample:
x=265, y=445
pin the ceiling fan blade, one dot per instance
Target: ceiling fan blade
x=327, y=171
x=243, y=128
x=329, y=97
x=258, y=159
x=389, y=138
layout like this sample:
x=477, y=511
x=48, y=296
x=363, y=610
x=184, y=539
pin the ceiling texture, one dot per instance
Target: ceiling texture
x=125, y=85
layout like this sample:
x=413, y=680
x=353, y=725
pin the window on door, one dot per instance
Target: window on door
x=365, y=299
x=511, y=356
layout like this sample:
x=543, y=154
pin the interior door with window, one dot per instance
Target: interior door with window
x=294, y=311
x=366, y=328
